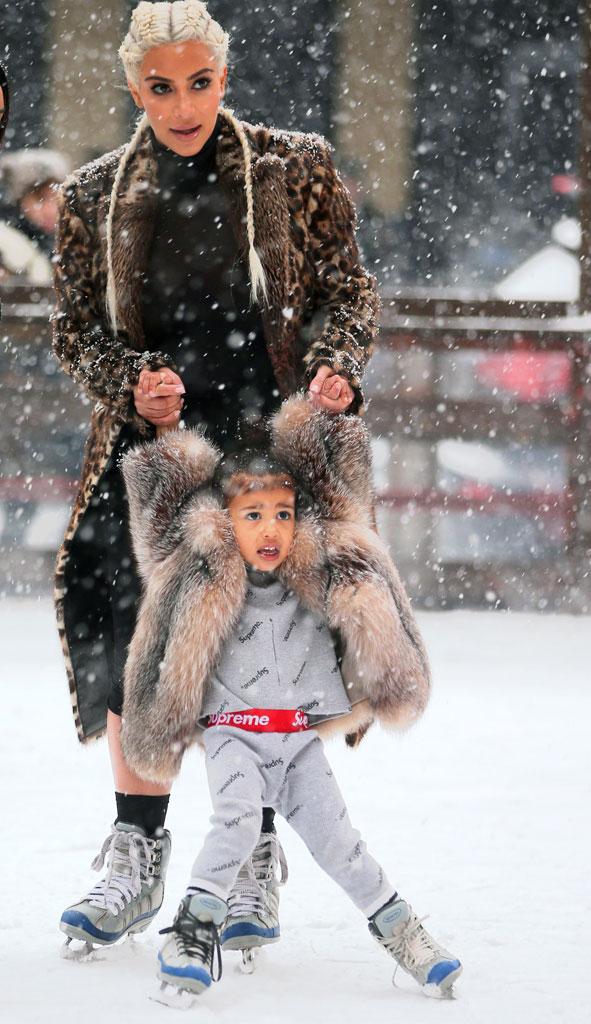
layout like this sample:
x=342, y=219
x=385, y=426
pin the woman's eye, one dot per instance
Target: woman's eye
x=201, y=83
x=160, y=88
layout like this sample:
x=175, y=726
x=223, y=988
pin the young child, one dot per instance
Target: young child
x=272, y=615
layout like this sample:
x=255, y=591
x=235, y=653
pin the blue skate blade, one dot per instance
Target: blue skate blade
x=77, y=919
x=243, y=928
x=440, y=971
x=194, y=973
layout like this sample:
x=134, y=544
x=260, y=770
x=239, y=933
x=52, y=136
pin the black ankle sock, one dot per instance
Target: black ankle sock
x=147, y=811
x=268, y=820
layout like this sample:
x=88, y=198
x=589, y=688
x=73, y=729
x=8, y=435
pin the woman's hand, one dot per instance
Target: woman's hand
x=158, y=396
x=330, y=392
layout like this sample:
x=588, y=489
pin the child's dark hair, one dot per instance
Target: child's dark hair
x=251, y=468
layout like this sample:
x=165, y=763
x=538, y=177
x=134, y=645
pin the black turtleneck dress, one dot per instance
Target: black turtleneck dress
x=196, y=301
x=195, y=307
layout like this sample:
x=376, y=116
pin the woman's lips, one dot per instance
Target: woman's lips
x=187, y=133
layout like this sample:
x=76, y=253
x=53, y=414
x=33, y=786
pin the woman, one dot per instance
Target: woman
x=206, y=269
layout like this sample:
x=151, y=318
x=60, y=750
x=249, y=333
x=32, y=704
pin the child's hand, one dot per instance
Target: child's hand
x=330, y=392
x=158, y=396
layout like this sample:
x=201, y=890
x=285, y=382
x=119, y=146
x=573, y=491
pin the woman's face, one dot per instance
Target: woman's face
x=180, y=89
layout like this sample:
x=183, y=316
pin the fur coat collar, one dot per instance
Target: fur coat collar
x=195, y=583
x=134, y=219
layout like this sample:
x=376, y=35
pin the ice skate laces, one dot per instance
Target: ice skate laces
x=197, y=939
x=267, y=857
x=118, y=888
x=414, y=947
x=249, y=893
x=247, y=896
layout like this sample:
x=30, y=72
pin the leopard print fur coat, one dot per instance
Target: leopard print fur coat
x=321, y=308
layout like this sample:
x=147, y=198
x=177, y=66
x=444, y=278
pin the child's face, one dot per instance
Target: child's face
x=264, y=523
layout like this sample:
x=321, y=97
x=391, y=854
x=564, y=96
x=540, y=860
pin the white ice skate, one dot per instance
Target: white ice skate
x=129, y=896
x=253, y=905
x=400, y=932
x=186, y=960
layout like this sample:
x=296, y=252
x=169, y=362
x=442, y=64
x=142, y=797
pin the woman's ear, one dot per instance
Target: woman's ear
x=135, y=95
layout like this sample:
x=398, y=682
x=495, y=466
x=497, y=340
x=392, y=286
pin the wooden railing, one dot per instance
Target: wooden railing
x=525, y=396
x=446, y=368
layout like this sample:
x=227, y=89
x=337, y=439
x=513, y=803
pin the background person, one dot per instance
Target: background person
x=28, y=180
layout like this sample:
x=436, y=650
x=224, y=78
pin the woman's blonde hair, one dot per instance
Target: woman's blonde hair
x=154, y=24
x=178, y=22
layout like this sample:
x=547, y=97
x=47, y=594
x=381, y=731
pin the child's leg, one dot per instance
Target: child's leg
x=311, y=802
x=187, y=958
x=236, y=786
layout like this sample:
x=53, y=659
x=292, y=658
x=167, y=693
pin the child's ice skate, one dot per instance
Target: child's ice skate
x=186, y=960
x=253, y=905
x=127, y=898
x=399, y=931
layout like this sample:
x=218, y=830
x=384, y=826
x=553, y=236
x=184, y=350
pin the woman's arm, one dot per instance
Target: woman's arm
x=344, y=291
x=105, y=367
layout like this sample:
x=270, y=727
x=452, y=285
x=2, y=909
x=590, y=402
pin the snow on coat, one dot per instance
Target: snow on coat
x=195, y=583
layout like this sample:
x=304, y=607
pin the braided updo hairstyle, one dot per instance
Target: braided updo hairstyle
x=179, y=22
x=155, y=24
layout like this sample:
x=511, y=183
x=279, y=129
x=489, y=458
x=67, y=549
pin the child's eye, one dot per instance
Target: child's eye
x=253, y=515
x=284, y=514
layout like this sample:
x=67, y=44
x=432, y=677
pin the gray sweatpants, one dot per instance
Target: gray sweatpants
x=247, y=771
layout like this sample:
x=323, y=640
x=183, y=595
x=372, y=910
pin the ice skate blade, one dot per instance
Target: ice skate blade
x=445, y=990
x=437, y=992
x=174, y=997
x=249, y=959
x=77, y=949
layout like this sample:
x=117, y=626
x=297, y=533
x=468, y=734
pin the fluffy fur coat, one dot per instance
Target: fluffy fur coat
x=195, y=583
x=322, y=310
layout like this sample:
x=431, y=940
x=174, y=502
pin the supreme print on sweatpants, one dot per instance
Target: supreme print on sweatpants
x=247, y=771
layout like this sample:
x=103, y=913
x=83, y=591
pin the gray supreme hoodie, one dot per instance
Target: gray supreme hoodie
x=280, y=656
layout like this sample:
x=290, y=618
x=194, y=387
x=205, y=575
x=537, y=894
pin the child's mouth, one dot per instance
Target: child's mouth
x=269, y=552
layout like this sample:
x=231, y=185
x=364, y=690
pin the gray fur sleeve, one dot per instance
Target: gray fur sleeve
x=330, y=457
x=161, y=479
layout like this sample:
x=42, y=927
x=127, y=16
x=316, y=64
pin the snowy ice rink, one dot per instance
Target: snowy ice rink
x=480, y=815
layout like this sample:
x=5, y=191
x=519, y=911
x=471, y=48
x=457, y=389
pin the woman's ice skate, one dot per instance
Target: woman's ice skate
x=252, y=920
x=186, y=960
x=400, y=932
x=129, y=896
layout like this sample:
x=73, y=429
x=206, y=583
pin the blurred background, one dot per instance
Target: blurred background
x=462, y=132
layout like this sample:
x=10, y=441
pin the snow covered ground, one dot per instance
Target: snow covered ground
x=483, y=824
